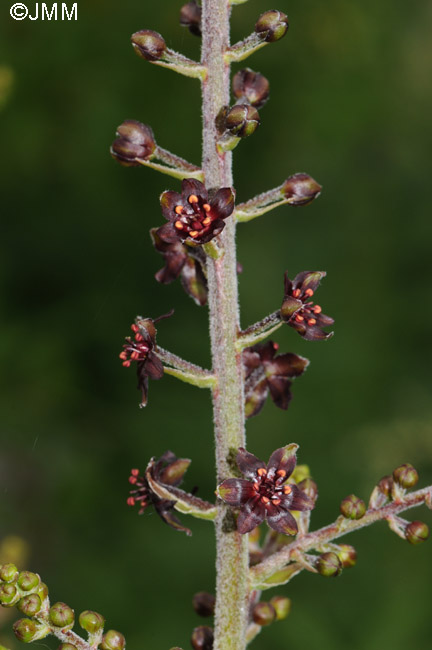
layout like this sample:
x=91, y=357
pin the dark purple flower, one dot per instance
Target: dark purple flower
x=167, y=470
x=192, y=216
x=299, y=311
x=181, y=261
x=265, y=493
x=141, y=349
x=265, y=372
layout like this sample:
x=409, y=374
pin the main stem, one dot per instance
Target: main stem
x=228, y=395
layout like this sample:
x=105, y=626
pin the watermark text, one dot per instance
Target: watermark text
x=41, y=11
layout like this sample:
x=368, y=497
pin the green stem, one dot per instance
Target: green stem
x=228, y=397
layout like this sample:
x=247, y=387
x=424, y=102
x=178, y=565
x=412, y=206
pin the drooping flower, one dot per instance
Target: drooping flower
x=299, y=311
x=267, y=372
x=192, y=215
x=181, y=261
x=166, y=470
x=142, y=350
x=265, y=494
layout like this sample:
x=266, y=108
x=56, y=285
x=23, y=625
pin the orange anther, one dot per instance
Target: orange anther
x=265, y=500
x=133, y=479
x=139, y=337
x=135, y=355
x=296, y=293
x=178, y=209
x=261, y=471
x=131, y=501
x=275, y=346
x=193, y=233
x=317, y=309
x=193, y=198
x=311, y=321
x=256, y=486
x=287, y=489
x=299, y=318
x=206, y=207
x=134, y=472
x=126, y=364
x=281, y=472
x=123, y=355
x=206, y=221
x=309, y=292
x=179, y=225
x=276, y=502
x=134, y=328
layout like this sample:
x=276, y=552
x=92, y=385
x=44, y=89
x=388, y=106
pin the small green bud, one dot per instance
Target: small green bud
x=30, y=605
x=282, y=606
x=264, y=614
x=113, y=640
x=301, y=189
x=242, y=120
x=347, y=555
x=9, y=595
x=91, y=622
x=148, y=44
x=43, y=591
x=61, y=615
x=66, y=646
x=25, y=630
x=27, y=581
x=329, y=565
x=204, y=603
x=417, y=532
x=252, y=86
x=352, y=507
x=202, y=638
x=406, y=475
x=272, y=25
x=385, y=485
x=8, y=572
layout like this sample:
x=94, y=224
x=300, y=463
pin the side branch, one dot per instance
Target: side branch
x=186, y=371
x=340, y=527
x=260, y=330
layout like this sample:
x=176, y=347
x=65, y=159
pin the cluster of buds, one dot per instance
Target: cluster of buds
x=29, y=594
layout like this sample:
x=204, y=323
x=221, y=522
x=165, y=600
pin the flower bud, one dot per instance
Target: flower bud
x=9, y=595
x=61, y=615
x=406, y=475
x=204, y=603
x=66, y=646
x=202, y=638
x=347, y=555
x=190, y=17
x=43, y=591
x=242, y=120
x=310, y=488
x=252, y=86
x=148, y=44
x=25, y=630
x=282, y=606
x=30, y=605
x=8, y=572
x=27, y=581
x=352, y=507
x=385, y=485
x=91, y=622
x=113, y=640
x=301, y=189
x=272, y=25
x=417, y=532
x=135, y=142
x=328, y=565
x=263, y=614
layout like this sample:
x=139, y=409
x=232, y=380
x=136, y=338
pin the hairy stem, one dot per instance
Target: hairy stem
x=228, y=395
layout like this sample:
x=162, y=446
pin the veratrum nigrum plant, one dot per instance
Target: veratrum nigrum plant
x=263, y=509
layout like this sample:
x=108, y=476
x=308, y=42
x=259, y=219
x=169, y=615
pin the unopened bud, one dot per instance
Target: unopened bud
x=30, y=605
x=242, y=120
x=406, y=475
x=263, y=614
x=272, y=25
x=27, y=581
x=148, y=44
x=309, y=487
x=190, y=17
x=61, y=615
x=27, y=630
x=135, y=142
x=252, y=86
x=204, y=603
x=385, y=485
x=417, y=532
x=352, y=507
x=8, y=572
x=43, y=591
x=91, y=622
x=113, y=640
x=282, y=606
x=347, y=555
x=328, y=565
x=202, y=638
x=9, y=595
x=301, y=189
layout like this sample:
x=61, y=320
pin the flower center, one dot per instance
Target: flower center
x=141, y=494
x=308, y=311
x=269, y=487
x=134, y=350
x=194, y=218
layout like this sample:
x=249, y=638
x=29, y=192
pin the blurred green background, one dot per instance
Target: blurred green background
x=351, y=100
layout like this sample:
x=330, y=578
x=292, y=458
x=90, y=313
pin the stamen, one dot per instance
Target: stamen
x=193, y=233
x=139, y=337
x=134, y=328
x=287, y=489
x=309, y=292
x=256, y=486
x=179, y=225
x=317, y=309
x=131, y=501
x=265, y=500
x=296, y=293
x=193, y=198
x=206, y=207
x=276, y=501
x=281, y=472
x=261, y=471
x=135, y=355
x=178, y=209
x=123, y=355
x=133, y=479
x=134, y=472
x=206, y=221
x=299, y=318
x=126, y=364
x=311, y=321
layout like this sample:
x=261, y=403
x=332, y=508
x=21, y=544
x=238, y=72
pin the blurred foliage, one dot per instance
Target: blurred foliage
x=350, y=104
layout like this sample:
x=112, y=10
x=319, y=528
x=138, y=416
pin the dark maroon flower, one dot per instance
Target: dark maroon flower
x=192, y=215
x=265, y=372
x=181, y=261
x=135, y=142
x=299, y=311
x=266, y=494
x=142, y=350
x=167, y=470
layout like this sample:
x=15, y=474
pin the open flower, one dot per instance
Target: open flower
x=141, y=349
x=299, y=311
x=192, y=216
x=167, y=470
x=265, y=493
x=265, y=372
